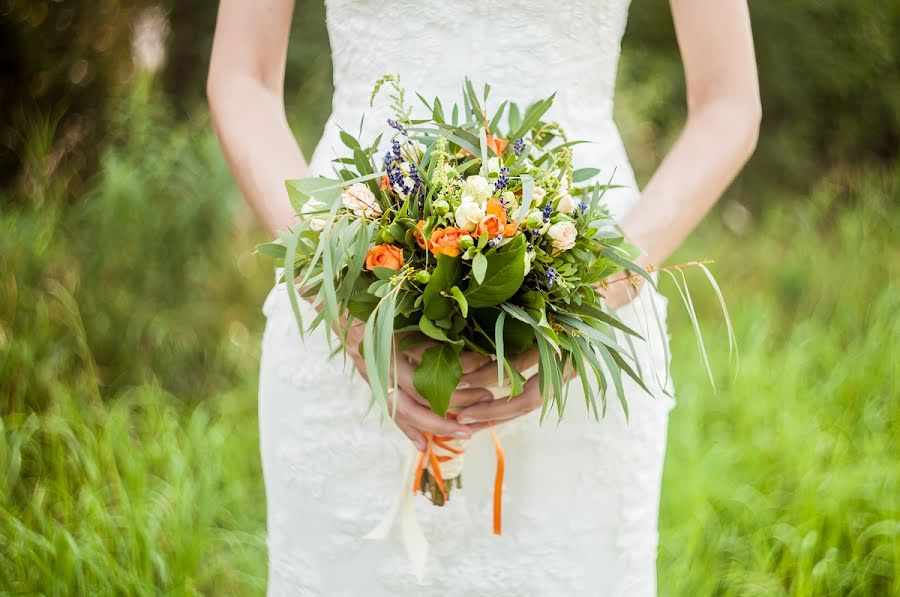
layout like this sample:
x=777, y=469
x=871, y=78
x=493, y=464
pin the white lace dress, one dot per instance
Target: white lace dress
x=580, y=499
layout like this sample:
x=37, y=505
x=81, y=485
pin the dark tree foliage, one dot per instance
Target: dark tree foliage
x=829, y=75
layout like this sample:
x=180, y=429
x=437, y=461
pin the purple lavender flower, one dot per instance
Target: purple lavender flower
x=519, y=146
x=551, y=276
x=396, y=125
x=495, y=241
x=396, y=147
x=529, y=247
x=503, y=181
x=583, y=206
x=548, y=209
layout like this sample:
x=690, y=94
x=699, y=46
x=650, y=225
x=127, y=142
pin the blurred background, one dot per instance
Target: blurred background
x=130, y=306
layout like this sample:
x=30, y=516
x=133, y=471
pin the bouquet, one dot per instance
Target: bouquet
x=472, y=231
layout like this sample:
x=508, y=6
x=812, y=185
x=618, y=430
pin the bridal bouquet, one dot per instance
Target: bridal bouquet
x=472, y=231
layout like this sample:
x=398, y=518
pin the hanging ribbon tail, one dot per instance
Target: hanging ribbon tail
x=498, y=481
x=414, y=540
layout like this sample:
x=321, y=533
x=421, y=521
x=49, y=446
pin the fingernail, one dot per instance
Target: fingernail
x=464, y=385
x=465, y=420
x=461, y=435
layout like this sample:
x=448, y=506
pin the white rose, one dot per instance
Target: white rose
x=563, y=235
x=468, y=214
x=493, y=164
x=538, y=195
x=316, y=224
x=478, y=187
x=361, y=200
x=566, y=204
x=409, y=182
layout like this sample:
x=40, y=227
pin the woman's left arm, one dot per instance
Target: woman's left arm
x=718, y=138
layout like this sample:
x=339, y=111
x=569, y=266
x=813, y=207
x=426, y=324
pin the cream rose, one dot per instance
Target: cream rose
x=468, y=214
x=563, y=235
x=315, y=224
x=361, y=200
x=478, y=188
x=566, y=204
x=538, y=195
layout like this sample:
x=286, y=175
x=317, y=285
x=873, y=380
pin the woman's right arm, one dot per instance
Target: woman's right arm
x=245, y=88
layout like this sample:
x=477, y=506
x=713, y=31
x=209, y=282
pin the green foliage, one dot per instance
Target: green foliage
x=829, y=76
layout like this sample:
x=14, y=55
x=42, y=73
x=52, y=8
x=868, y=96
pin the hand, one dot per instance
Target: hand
x=472, y=384
x=413, y=417
x=481, y=414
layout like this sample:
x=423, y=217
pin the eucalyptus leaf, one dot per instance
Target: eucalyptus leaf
x=436, y=378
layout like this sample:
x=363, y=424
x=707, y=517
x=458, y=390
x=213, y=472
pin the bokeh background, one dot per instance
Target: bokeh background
x=130, y=307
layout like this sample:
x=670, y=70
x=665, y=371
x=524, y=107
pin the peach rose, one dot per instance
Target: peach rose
x=384, y=256
x=444, y=241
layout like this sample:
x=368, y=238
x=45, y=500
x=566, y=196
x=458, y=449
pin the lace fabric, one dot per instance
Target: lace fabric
x=580, y=497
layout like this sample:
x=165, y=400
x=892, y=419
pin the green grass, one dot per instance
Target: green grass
x=788, y=480
x=129, y=323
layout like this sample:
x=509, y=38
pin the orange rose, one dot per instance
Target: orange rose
x=491, y=224
x=384, y=256
x=444, y=241
x=496, y=143
x=495, y=208
x=418, y=232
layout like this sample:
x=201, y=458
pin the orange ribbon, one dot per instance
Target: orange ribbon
x=435, y=460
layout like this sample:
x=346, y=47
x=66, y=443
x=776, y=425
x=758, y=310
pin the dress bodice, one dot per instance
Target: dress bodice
x=525, y=49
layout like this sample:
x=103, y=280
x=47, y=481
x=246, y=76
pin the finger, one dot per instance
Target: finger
x=422, y=418
x=486, y=376
x=472, y=361
x=461, y=398
x=464, y=398
x=414, y=353
x=414, y=435
x=504, y=408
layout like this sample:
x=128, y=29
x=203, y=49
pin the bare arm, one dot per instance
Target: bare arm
x=718, y=138
x=245, y=90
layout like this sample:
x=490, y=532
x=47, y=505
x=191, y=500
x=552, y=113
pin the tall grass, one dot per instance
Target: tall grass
x=128, y=329
x=788, y=480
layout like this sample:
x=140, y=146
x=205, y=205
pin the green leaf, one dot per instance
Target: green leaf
x=349, y=140
x=628, y=265
x=325, y=190
x=503, y=278
x=438, y=375
x=384, y=273
x=499, y=347
x=514, y=118
x=276, y=250
x=410, y=341
x=457, y=294
x=532, y=117
x=432, y=331
x=583, y=174
x=479, y=267
x=527, y=196
x=444, y=276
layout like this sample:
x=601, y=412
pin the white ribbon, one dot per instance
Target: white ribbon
x=414, y=540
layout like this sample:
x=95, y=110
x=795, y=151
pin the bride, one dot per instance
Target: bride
x=581, y=497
